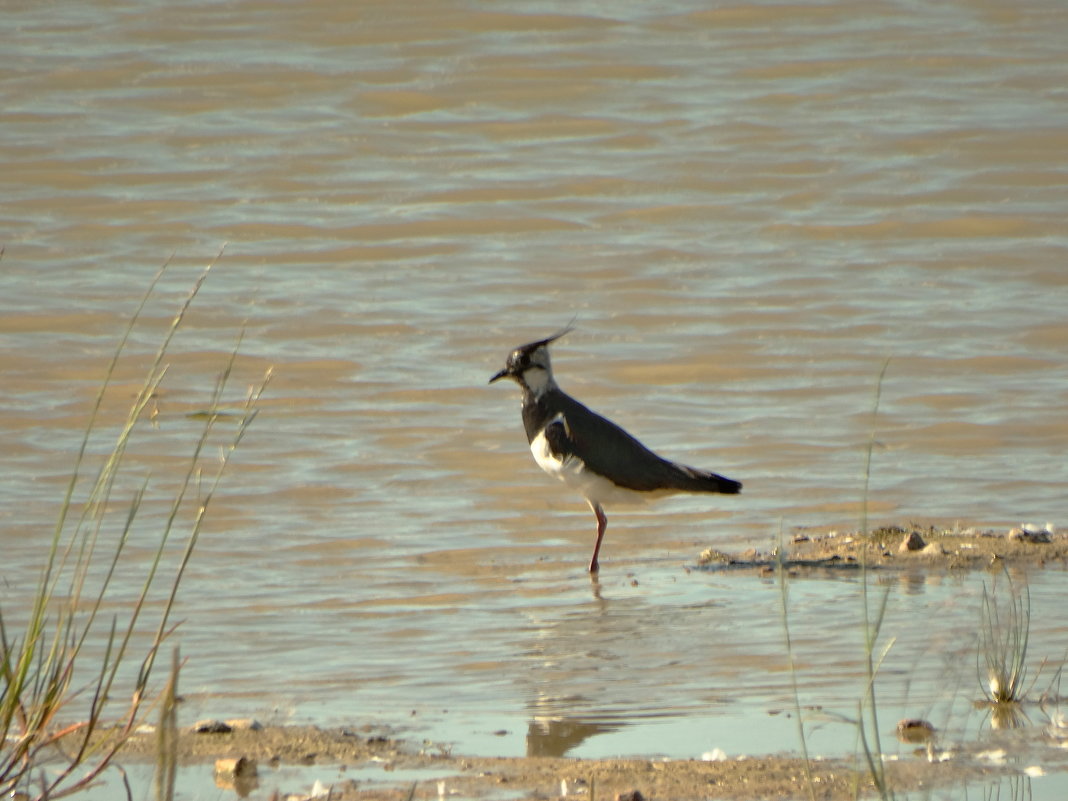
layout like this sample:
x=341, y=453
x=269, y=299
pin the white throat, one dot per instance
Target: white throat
x=538, y=380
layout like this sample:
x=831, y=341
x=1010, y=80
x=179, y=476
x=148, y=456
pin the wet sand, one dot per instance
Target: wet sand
x=544, y=777
x=907, y=546
x=900, y=547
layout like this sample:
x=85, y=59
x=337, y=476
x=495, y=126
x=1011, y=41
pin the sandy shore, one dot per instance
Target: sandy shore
x=921, y=547
x=778, y=777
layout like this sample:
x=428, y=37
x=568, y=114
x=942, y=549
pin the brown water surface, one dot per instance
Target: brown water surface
x=747, y=209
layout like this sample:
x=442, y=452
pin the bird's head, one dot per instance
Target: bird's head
x=529, y=365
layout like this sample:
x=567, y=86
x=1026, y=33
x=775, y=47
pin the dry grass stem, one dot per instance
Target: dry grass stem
x=88, y=545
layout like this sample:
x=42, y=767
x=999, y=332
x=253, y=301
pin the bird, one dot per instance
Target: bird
x=590, y=453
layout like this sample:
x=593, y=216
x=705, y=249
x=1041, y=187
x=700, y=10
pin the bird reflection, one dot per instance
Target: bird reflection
x=595, y=587
x=573, y=655
x=556, y=737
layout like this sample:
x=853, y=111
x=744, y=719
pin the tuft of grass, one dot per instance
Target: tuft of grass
x=40, y=666
x=1001, y=656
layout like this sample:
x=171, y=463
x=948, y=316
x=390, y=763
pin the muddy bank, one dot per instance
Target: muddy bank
x=903, y=547
x=778, y=777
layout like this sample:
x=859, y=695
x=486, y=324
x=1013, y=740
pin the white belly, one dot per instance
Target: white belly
x=592, y=487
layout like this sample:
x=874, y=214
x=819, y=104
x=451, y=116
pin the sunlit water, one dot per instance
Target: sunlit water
x=746, y=210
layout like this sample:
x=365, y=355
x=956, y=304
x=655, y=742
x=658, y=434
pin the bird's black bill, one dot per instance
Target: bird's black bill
x=502, y=374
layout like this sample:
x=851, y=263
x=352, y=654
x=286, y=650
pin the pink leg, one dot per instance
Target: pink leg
x=602, y=523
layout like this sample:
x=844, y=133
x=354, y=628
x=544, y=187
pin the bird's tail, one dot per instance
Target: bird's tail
x=690, y=479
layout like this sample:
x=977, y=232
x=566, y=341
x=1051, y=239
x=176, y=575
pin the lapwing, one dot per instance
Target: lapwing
x=590, y=453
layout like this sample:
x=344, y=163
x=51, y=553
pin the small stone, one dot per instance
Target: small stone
x=569, y=787
x=912, y=542
x=244, y=724
x=914, y=730
x=1030, y=534
x=630, y=795
x=210, y=726
x=933, y=549
x=240, y=767
x=710, y=555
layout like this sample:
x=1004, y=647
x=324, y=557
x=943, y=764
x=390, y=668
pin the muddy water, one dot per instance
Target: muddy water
x=746, y=209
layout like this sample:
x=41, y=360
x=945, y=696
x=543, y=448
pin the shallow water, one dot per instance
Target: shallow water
x=747, y=209
x=196, y=783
